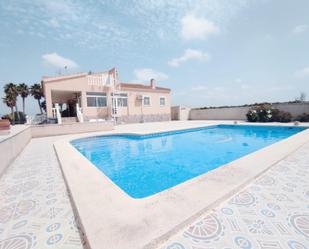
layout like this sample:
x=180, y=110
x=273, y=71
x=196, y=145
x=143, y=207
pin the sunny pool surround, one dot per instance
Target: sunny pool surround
x=109, y=217
x=271, y=212
x=146, y=165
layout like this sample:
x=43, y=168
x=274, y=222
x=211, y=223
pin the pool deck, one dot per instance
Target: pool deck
x=271, y=212
x=35, y=209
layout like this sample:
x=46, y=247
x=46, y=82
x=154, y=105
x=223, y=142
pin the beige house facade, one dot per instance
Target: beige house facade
x=101, y=96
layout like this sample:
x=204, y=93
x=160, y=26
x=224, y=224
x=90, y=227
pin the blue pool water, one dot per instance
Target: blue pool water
x=145, y=165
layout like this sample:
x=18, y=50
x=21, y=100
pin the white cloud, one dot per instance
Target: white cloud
x=133, y=22
x=189, y=54
x=146, y=74
x=300, y=29
x=193, y=27
x=302, y=73
x=57, y=61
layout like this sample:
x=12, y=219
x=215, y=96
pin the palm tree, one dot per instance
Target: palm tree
x=37, y=92
x=10, y=101
x=11, y=92
x=23, y=91
x=10, y=88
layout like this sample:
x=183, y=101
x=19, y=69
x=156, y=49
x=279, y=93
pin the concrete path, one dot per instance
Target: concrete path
x=35, y=210
x=270, y=213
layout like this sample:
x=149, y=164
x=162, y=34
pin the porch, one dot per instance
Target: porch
x=67, y=102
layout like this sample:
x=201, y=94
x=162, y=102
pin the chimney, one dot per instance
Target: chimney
x=153, y=83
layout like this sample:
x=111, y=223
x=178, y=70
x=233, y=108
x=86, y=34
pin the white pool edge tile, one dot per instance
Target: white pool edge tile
x=131, y=223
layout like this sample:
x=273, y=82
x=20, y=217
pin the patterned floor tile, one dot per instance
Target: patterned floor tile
x=35, y=209
x=270, y=213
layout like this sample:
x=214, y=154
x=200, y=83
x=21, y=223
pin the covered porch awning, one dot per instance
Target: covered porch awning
x=67, y=101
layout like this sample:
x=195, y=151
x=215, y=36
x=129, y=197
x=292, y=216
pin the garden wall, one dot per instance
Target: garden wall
x=180, y=113
x=239, y=113
x=12, y=145
x=73, y=128
x=294, y=108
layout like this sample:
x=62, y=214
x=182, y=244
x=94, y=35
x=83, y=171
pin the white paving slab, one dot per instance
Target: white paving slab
x=270, y=213
x=35, y=209
x=130, y=223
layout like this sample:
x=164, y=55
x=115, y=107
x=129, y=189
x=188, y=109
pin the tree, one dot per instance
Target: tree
x=23, y=91
x=11, y=92
x=37, y=92
x=10, y=101
x=43, y=105
x=10, y=88
x=302, y=97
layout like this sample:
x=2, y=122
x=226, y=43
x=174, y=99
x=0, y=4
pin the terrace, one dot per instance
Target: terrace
x=255, y=206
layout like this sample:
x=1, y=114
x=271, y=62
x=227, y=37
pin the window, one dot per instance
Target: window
x=122, y=99
x=162, y=101
x=146, y=100
x=95, y=99
x=123, y=102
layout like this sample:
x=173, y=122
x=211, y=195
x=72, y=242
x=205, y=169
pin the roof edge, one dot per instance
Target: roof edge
x=142, y=87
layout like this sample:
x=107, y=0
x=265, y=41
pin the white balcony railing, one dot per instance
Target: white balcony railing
x=100, y=80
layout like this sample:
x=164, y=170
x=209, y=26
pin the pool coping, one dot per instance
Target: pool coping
x=124, y=222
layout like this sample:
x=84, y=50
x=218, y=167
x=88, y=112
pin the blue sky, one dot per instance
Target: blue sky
x=210, y=52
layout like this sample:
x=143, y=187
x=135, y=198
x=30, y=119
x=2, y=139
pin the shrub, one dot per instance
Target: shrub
x=303, y=117
x=21, y=120
x=260, y=113
x=265, y=113
x=281, y=116
x=252, y=116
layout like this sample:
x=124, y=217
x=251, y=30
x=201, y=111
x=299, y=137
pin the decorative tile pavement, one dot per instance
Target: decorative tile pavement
x=270, y=213
x=35, y=209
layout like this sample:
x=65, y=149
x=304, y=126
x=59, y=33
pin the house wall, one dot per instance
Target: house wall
x=78, y=84
x=137, y=112
x=134, y=112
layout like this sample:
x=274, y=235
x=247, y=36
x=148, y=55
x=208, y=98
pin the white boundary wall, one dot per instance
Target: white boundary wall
x=11, y=146
x=239, y=113
x=14, y=143
x=180, y=113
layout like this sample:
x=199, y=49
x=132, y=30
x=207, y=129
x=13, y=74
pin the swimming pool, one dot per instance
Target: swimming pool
x=145, y=165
